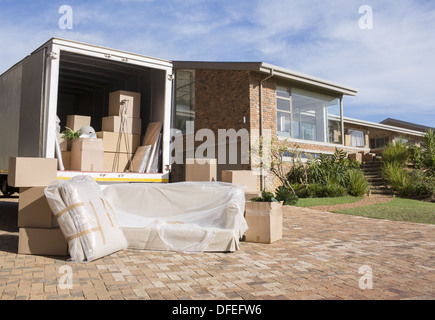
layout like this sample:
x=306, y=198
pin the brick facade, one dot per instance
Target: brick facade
x=230, y=99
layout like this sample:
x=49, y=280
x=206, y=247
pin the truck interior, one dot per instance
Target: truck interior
x=85, y=83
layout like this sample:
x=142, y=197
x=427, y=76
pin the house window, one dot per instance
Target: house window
x=307, y=115
x=284, y=114
x=184, y=98
x=356, y=138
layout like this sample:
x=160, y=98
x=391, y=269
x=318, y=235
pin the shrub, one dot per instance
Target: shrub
x=428, y=146
x=396, y=153
x=266, y=196
x=317, y=190
x=357, y=184
x=286, y=195
x=397, y=177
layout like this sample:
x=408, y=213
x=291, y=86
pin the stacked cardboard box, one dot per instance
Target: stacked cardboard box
x=201, y=170
x=121, y=130
x=75, y=123
x=39, y=233
x=245, y=178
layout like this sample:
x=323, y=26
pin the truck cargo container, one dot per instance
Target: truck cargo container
x=64, y=77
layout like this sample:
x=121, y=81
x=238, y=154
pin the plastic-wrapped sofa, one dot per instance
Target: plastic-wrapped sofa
x=185, y=216
x=98, y=220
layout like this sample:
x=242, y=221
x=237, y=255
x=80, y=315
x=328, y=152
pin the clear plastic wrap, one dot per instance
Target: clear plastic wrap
x=86, y=218
x=186, y=215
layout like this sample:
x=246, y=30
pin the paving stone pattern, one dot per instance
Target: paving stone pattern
x=319, y=257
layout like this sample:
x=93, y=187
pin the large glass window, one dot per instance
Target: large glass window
x=307, y=115
x=184, y=98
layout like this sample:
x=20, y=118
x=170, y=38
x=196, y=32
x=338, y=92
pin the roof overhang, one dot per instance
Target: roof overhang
x=269, y=69
x=381, y=126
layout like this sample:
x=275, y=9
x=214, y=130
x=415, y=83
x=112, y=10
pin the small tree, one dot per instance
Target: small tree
x=272, y=155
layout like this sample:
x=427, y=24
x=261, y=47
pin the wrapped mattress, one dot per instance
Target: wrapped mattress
x=86, y=218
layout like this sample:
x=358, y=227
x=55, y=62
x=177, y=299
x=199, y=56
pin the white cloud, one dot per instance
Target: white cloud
x=392, y=64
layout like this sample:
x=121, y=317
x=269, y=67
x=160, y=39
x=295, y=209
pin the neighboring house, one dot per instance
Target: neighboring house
x=261, y=99
x=406, y=125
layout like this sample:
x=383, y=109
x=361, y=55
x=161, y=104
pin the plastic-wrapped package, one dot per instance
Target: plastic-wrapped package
x=86, y=218
x=184, y=217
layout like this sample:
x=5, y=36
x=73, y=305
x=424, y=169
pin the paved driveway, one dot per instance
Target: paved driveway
x=321, y=256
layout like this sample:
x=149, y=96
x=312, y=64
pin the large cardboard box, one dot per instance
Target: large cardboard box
x=87, y=154
x=113, y=124
x=31, y=172
x=117, y=161
x=33, y=209
x=264, y=221
x=75, y=122
x=126, y=142
x=40, y=241
x=201, y=170
x=132, y=100
x=241, y=177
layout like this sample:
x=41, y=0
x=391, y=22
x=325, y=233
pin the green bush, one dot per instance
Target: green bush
x=318, y=190
x=357, y=184
x=397, y=177
x=287, y=196
x=266, y=196
x=428, y=150
x=396, y=153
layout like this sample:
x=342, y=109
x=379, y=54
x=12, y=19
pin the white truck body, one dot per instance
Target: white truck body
x=65, y=77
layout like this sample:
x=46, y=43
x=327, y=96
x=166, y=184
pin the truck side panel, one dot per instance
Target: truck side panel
x=10, y=101
x=32, y=99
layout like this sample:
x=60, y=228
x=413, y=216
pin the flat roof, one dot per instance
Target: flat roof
x=376, y=125
x=401, y=123
x=270, y=69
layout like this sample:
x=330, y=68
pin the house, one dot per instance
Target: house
x=263, y=99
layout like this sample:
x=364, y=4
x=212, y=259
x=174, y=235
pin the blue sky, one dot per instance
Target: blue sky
x=392, y=65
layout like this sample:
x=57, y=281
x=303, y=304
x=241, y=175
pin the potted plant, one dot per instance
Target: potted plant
x=68, y=135
x=264, y=218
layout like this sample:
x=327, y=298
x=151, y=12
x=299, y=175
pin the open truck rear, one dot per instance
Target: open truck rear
x=64, y=78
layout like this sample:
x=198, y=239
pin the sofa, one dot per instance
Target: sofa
x=98, y=220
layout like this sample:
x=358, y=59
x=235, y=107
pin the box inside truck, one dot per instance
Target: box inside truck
x=85, y=83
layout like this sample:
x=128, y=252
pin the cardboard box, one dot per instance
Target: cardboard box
x=87, y=154
x=242, y=177
x=128, y=143
x=117, y=161
x=40, y=241
x=201, y=170
x=31, y=172
x=66, y=159
x=75, y=122
x=113, y=124
x=33, y=209
x=132, y=100
x=252, y=194
x=264, y=221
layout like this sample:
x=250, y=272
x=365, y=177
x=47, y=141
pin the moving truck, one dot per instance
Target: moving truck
x=63, y=78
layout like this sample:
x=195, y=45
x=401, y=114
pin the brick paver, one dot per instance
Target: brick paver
x=319, y=257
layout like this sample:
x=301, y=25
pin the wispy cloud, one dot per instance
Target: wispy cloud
x=392, y=64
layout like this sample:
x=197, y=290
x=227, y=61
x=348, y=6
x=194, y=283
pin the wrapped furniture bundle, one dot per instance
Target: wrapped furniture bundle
x=86, y=218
